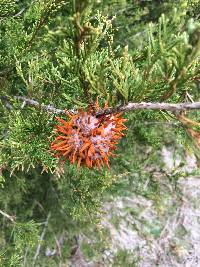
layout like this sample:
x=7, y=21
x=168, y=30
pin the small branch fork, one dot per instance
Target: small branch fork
x=126, y=108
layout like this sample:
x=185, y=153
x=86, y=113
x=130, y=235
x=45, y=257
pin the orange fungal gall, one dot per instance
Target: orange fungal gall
x=88, y=139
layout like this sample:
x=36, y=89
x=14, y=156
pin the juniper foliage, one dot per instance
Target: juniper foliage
x=67, y=54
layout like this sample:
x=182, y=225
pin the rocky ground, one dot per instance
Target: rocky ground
x=165, y=235
x=147, y=233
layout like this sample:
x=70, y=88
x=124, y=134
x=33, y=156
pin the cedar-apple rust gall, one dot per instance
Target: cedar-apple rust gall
x=87, y=139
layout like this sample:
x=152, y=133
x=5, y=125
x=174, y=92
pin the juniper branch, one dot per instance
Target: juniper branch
x=155, y=106
x=126, y=108
x=34, y=103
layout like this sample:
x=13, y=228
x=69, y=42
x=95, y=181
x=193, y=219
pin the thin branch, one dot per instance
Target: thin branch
x=41, y=239
x=20, y=12
x=34, y=103
x=38, y=27
x=11, y=218
x=129, y=107
x=155, y=106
